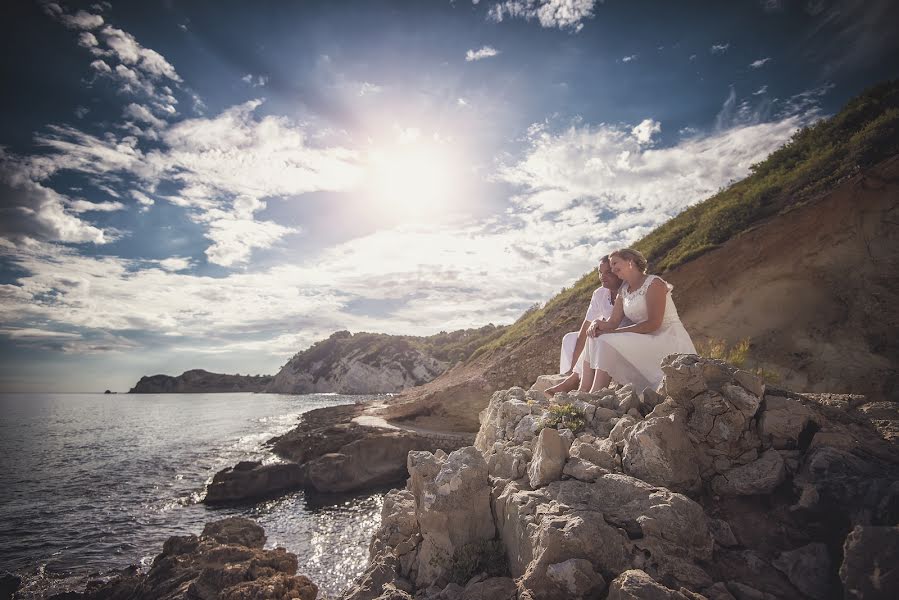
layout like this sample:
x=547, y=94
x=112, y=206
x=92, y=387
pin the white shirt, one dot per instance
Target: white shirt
x=600, y=307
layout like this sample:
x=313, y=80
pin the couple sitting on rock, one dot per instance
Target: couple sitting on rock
x=631, y=325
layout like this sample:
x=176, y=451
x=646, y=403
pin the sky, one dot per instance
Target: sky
x=219, y=184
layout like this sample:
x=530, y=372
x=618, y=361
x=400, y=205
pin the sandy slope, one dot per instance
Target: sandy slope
x=816, y=290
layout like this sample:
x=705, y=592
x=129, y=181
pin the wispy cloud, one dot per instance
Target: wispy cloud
x=629, y=58
x=760, y=91
x=719, y=48
x=258, y=81
x=481, y=53
x=758, y=64
x=561, y=14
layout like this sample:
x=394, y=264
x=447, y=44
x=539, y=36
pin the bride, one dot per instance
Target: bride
x=633, y=354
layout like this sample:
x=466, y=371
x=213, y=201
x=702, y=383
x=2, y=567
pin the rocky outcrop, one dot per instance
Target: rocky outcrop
x=717, y=487
x=334, y=449
x=374, y=363
x=226, y=562
x=200, y=381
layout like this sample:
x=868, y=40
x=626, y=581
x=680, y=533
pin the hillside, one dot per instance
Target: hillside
x=199, y=381
x=798, y=257
x=367, y=363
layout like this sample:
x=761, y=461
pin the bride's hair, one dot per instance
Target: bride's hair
x=631, y=254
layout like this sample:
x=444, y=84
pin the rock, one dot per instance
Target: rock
x=199, y=381
x=758, y=477
x=718, y=592
x=550, y=453
x=741, y=591
x=687, y=375
x=808, y=568
x=508, y=460
x=226, y=561
x=379, y=575
x=576, y=578
x=723, y=534
x=494, y=588
x=621, y=428
x=600, y=456
x=391, y=592
x=251, y=480
x=9, y=585
x=869, y=568
x=375, y=459
x=635, y=584
x=658, y=451
x=583, y=470
x=501, y=417
x=452, y=506
x=750, y=382
x=399, y=532
x=782, y=421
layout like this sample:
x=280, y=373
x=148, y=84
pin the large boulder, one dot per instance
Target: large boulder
x=758, y=477
x=658, y=450
x=250, y=480
x=635, y=584
x=452, y=507
x=550, y=453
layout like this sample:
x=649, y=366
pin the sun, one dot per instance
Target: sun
x=413, y=182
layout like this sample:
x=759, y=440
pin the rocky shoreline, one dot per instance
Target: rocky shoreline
x=334, y=449
x=718, y=488
x=227, y=561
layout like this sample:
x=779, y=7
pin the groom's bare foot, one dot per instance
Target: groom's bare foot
x=570, y=383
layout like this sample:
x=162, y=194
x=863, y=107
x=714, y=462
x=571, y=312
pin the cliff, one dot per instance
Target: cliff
x=370, y=363
x=199, y=381
x=719, y=487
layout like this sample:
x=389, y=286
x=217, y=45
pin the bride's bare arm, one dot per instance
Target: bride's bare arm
x=614, y=321
x=655, y=307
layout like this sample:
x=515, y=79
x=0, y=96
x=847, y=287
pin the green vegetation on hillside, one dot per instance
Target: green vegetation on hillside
x=814, y=161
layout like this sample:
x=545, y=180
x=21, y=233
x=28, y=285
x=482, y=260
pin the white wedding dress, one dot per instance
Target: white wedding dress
x=636, y=357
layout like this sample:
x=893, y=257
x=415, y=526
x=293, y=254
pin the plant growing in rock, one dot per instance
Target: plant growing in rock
x=565, y=416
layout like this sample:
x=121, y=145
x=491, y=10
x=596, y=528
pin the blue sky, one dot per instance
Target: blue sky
x=220, y=184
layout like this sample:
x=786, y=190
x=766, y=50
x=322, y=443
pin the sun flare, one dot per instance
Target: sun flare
x=414, y=181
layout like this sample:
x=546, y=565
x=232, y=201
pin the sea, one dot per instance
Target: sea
x=93, y=482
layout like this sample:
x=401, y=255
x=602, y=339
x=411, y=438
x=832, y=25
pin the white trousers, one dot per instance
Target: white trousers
x=568, y=344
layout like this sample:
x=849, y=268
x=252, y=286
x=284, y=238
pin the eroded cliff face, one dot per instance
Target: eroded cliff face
x=357, y=364
x=716, y=487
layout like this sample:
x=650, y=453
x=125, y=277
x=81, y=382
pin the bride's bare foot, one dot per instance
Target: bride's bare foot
x=570, y=383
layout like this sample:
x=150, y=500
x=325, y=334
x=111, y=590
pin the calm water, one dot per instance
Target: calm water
x=92, y=481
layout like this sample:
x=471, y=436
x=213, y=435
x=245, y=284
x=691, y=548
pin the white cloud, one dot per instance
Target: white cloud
x=562, y=14
x=757, y=64
x=719, y=48
x=760, y=91
x=145, y=201
x=101, y=66
x=258, y=81
x=368, y=88
x=628, y=59
x=175, y=264
x=645, y=130
x=234, y=239
x=88, y=40
x=143, y=114
x=80, y=20
x=481, y=53
x=81, y=206
x=81, y=111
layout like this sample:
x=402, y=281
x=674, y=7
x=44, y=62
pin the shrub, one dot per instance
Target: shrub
x=566, y=416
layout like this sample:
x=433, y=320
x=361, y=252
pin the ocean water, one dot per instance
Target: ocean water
x=90, y=482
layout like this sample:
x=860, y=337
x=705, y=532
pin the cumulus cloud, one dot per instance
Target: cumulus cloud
x=628, y=59
x=758, y=64
x=258, y=81
x=561, y=14
x=719, y=48
x=80, y=205
x=368, y=88
x=645, y=130
x=481, y=53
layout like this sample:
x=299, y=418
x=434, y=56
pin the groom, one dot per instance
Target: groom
x=600, y=308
